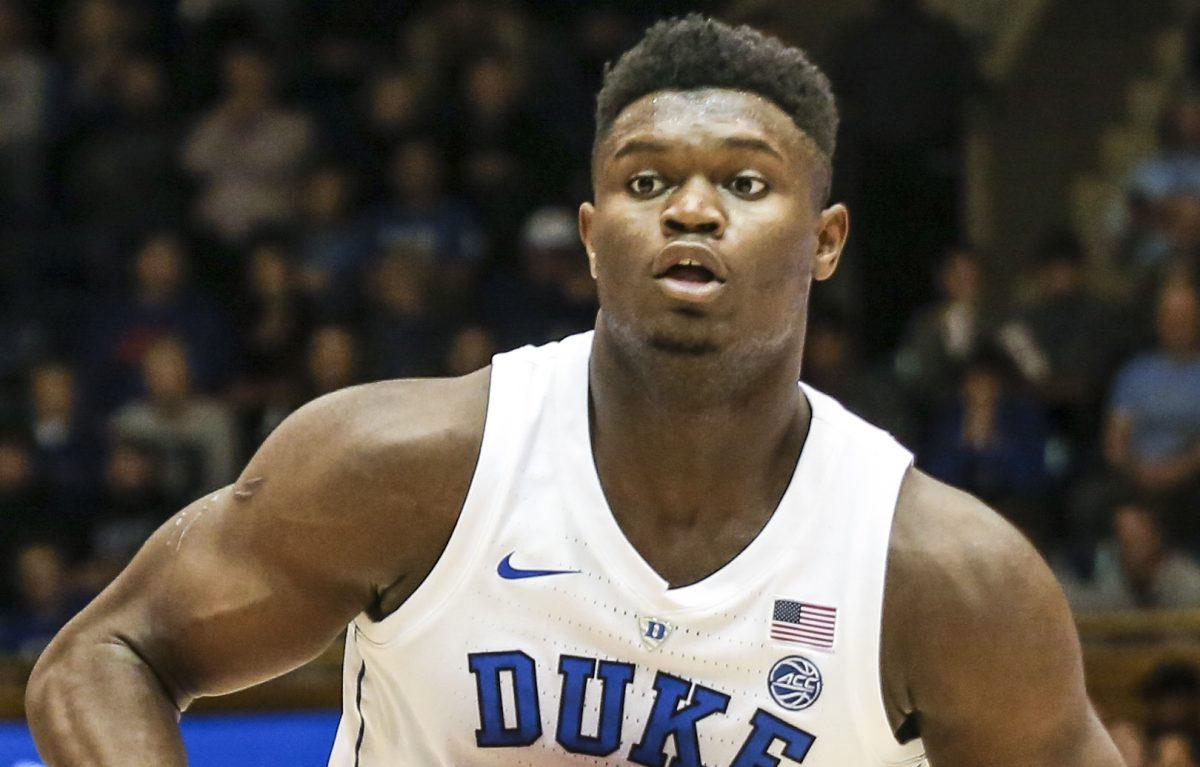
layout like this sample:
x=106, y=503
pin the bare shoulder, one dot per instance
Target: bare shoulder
x=386, y=465
x=957, y=573
x=970, y=608
x=947, y=539
x=403, y=419
x=418, y=433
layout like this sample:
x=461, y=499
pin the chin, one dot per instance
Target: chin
x=676, y=334
x=684, y=335
x=681, y=346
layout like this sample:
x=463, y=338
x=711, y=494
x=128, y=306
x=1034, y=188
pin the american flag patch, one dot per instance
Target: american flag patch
x=803, y=623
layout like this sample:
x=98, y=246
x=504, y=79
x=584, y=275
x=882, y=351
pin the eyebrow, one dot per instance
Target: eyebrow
x=733, y=142
x=753, y=144
x=640, y=145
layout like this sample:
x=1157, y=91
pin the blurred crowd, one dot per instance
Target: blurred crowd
x=216, y=210
x=1170, y=734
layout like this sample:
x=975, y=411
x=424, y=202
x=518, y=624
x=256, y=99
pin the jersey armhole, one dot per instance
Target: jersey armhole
x=870, y=707
x=494, y=472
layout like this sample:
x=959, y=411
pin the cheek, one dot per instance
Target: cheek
x=785, y=257
x=621, y=238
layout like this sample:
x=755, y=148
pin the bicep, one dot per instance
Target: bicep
x=993, y=665
x=1070, y=737
x=255, y=579
x=216, y=600
x=1010, y=691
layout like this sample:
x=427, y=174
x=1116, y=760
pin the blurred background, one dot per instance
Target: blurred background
x=212, y=211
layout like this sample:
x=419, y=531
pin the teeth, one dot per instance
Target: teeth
x=689, y=262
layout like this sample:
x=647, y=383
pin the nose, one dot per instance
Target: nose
x=694, y=208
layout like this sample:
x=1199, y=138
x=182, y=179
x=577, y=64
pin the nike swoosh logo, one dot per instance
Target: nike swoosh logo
x=508, y=572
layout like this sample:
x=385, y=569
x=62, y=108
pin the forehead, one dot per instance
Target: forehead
x=694, y=117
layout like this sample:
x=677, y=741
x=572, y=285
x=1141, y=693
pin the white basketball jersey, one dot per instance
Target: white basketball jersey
x=541, y=637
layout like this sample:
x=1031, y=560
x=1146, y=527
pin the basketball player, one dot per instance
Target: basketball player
x=648, y=545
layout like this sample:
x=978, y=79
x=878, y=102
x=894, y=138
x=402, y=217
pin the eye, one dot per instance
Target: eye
x=646, y=185
x=748, y=186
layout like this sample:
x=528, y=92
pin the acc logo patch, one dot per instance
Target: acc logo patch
x=653, y=631
x=795, y=683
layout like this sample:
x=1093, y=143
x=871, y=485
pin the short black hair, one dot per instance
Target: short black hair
x=696, y=52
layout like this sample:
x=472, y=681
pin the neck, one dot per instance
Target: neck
x=680, y=439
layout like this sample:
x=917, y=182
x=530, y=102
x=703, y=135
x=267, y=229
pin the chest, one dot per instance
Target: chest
x=554, y=650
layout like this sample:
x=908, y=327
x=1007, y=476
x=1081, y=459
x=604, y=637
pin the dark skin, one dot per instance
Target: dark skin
x=347, y=505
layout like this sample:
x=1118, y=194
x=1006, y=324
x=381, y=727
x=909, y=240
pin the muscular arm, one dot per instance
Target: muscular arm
x=345, y=508
x=980, y=645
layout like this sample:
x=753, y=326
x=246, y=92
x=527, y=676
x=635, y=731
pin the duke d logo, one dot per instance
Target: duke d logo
x=653, y=631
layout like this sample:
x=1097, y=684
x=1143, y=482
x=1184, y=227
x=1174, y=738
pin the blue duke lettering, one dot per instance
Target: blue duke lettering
x=677, y=714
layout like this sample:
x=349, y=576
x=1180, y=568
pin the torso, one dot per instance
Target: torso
x=482, y=666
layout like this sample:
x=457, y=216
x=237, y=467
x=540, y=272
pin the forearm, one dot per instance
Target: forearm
x=100, y=704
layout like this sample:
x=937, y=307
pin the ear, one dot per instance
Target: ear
x=831, y=240
x=586, y=211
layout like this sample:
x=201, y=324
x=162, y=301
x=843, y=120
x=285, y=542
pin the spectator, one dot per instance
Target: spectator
x=97, y=39
x=442, y=41
x=396, y=110
x=162, y=303
x=991, y=442
x=404, y=337
x=1067, y=339
x=1175, y=169
x=1171, y=694
x=1137, y=568
x=275, y=321
x=122, y=178
x=67, y=446
x=23, y=511
x=24, y=77
x=942, y=336
x=46, y=601
x=1163, y=200
x=330, y=247
x=423, y=220
x=248, y=152
x=503, y=161
x=1162, y=238
x=1174, y=750
x=552, y=294
x=1152, y=435
x=132, y=505
x=194, y=437
x=333, y=360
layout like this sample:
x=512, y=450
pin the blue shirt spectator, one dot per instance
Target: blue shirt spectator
x=1161, y=396
x=421, y=218
x=1153, y=430
x=161, y=305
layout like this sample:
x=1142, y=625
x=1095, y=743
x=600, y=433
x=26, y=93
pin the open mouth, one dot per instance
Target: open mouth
x=690, y=273
x=691, y=282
